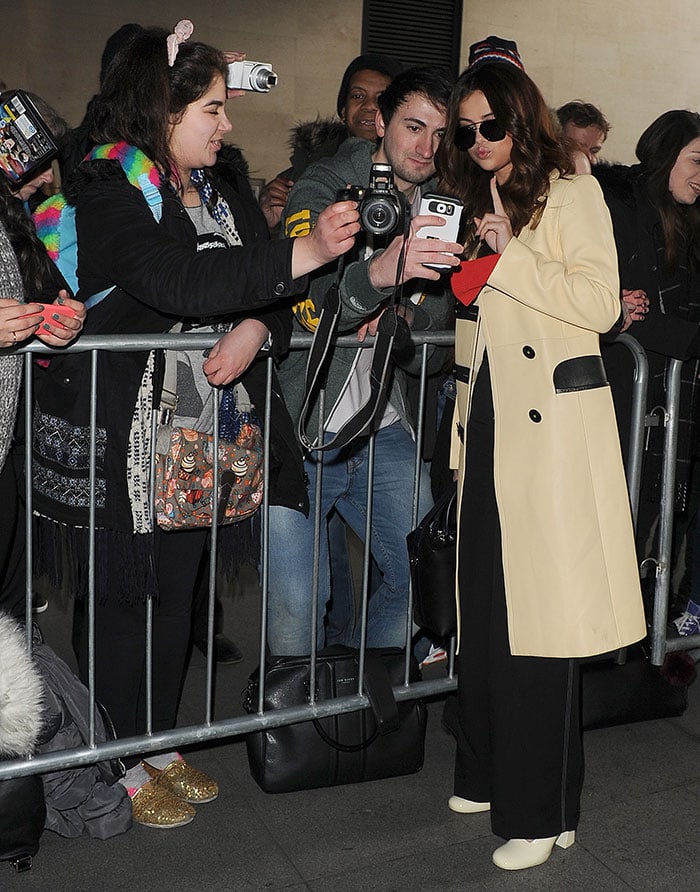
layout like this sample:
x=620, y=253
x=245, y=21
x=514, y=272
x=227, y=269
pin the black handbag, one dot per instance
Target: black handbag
x=385, y=740
x=432, y=554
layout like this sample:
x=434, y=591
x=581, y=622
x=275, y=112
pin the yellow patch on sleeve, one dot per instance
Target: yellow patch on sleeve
x=305, y=312
x=298, y=224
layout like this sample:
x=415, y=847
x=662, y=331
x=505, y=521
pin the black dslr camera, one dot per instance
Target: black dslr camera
x=382, y=207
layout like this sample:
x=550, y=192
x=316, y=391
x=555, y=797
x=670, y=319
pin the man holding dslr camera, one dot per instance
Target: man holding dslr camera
x=410, y=124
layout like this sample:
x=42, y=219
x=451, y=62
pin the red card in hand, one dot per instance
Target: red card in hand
x=49, y=311
x=471, y=276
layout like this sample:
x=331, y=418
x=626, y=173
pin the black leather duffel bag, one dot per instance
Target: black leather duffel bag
x=384, y=740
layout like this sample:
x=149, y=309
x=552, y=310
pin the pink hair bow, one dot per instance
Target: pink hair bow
x=181, y=32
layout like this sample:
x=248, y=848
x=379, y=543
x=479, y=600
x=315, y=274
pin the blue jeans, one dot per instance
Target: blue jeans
x=344, y=487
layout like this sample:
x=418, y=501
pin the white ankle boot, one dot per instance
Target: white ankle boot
x=517, y=854
x=467, y=806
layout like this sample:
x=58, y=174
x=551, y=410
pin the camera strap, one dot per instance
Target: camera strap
x=361, y=423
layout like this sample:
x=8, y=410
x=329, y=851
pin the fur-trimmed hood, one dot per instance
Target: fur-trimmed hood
x=312, y=140
x=22, y=693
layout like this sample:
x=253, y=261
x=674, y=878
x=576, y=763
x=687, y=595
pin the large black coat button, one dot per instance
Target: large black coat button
x=279, y=288
x=535, y=416
x=528, y=352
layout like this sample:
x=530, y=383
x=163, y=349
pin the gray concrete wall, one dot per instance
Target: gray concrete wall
x=633, y=58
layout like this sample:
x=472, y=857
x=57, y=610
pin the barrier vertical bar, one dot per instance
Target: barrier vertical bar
x=28, y=586
x=92, y=461
x=366, y=562
x=637, y=421
x=265, y=531
x=666, y=511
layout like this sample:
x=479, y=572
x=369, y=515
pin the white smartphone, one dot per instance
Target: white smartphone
x=450, y=209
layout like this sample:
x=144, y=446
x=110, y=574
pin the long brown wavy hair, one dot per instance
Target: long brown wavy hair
x=658, y=150
x=519, y=107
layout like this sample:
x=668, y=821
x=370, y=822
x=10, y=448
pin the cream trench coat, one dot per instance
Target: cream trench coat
x=571, y=579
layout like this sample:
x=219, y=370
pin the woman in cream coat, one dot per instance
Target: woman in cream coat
x=547, y=570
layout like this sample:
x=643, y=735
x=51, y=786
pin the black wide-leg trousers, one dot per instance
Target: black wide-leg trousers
x=519, y=738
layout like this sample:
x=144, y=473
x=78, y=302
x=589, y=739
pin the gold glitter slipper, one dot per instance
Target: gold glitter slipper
x=182, y=780
x=154, y=806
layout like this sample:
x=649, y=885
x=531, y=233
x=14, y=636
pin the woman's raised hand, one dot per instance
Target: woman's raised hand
x=495, y=228
x=333, y=235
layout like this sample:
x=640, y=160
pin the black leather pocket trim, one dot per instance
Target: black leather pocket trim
x=580, y=373
x=462, y=373
x=469, y=312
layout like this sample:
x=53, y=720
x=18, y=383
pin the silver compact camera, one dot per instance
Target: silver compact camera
x=256, y=76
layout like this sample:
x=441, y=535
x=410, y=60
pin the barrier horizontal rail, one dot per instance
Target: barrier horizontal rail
x=201, y=340
x=236, y=726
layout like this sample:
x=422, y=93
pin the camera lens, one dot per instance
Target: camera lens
x=379, y=217
x=263, y=79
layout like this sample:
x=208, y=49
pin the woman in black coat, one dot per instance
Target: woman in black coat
x=656, y=220
x=163, y=115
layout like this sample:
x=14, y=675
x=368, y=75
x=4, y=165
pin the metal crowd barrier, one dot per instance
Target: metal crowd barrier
x=236, y=725
x=661, y=558
x=661, y=642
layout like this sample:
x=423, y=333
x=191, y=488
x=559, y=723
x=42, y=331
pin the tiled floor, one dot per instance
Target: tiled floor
x=640, y=826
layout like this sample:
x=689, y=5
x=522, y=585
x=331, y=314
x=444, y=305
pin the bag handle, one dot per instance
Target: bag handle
x=377, y=685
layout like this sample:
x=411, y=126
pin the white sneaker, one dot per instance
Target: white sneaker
x=688, y=623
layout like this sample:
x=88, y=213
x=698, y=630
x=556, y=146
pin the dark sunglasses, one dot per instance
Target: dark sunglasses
x=465, y=136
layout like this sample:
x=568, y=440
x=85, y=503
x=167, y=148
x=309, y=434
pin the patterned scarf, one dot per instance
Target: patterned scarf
x=216, y=206
x=231, y=417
